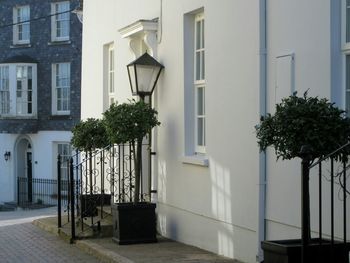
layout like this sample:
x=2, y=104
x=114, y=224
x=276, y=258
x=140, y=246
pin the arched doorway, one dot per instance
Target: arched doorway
x=24, y=170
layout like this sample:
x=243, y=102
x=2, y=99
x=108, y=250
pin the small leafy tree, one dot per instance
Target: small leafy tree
x=131, y=122
x=301, y=123
x=89, y=135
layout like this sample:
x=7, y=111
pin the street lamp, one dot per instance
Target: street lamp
x=143, y=75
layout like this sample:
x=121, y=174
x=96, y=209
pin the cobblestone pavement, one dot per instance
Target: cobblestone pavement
x=22, y=242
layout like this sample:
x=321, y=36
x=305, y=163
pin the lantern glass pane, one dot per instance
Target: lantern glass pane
x=146, y=76
x=131, y=71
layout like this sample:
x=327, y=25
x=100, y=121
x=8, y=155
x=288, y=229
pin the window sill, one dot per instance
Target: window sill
x=59, y=42
x=21, y=45
x=17, y=117
x=200, y=160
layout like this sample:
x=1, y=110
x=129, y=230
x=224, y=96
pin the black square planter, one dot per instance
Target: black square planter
x=134, y=223
x=89, y=203
x=289, y=251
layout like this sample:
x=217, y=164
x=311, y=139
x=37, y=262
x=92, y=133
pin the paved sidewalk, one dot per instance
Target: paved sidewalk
x=165, y=251
x=21, y=241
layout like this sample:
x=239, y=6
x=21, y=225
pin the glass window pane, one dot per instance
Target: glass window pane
x=203, y=65
x=200, y=127
x=347, y=103
x=347, y=26
x=198, y=34
x=30, y=85
x=203, y=33
x=198, y=67
x=347, y=98
x=200, y=101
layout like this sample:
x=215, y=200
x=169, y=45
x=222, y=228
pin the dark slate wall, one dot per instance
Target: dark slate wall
x=46, y=53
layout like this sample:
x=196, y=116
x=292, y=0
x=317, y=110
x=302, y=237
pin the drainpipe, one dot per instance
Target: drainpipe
x=262, y=112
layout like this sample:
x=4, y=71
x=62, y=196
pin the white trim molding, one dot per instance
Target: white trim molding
x=142, y=35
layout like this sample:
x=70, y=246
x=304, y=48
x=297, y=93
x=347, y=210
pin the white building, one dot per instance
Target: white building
x=215, y=190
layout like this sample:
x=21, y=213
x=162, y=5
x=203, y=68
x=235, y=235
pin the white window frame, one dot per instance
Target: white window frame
x=57, y=18
x=18, y=27
x=64, y=162
x=24, y=93
x=111, y=78
x=346, y=53
x=4, y=90
x=199, y=82
x=13, y=99
x=55, y=87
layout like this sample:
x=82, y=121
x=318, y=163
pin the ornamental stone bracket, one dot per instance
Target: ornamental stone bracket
x=142, y=36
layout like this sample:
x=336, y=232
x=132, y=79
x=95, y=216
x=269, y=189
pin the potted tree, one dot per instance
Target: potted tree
x=130, y=123
x=88, y=136
x=309, y=128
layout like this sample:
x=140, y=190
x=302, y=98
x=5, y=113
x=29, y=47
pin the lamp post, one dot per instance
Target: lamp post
x=143, y=74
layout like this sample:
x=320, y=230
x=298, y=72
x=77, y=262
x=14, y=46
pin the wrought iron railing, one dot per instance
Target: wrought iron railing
x=98, y=179
x=331, y=202
x=38, y=192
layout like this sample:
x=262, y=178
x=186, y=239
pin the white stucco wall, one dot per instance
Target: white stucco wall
x=213, y=207
x=291, y=29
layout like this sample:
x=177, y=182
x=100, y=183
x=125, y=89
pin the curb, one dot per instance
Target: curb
x=101, y=253
x=46, y=227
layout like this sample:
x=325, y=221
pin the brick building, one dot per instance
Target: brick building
x=40, y=71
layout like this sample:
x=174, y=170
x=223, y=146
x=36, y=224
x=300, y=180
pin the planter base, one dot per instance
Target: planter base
x=289, y=251
x=134, y=223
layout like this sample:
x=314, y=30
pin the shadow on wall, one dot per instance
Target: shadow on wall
x=213, y=231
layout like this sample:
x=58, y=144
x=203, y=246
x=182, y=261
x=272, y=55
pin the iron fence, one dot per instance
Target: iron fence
x=37, y=192
x=97, y=179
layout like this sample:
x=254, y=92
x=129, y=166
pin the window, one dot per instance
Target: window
x=65, y=151
x=60, y=21
x=346, y=52
x=24, y=90
x=61, y=88
x=111, y=74
x=21, y=31
x=4, y=90
x=199, y=84
x=18, y=87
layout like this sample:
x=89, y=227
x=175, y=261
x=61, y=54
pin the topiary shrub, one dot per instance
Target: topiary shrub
x=305, y=127
x=89, y=135
x=300, y=121
x=131, y=122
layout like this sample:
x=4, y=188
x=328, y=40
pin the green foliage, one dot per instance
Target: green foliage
x=89, y=135
x=129, y=122
x=302, y=121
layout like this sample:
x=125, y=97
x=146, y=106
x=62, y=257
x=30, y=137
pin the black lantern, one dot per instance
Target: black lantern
x=7, y=155
x=143, y=75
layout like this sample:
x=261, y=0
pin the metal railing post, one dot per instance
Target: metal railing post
x=72, y=200
x=59, y=191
